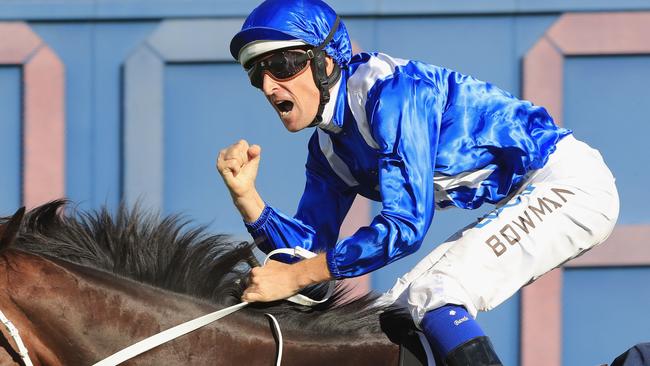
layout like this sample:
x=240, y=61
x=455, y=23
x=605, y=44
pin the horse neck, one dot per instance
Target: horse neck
x=376, y=349
x=72, y=315
x=69, y=314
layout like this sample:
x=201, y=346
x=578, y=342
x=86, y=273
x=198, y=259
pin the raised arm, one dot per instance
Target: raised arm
x=238, y=165
x=322, y=208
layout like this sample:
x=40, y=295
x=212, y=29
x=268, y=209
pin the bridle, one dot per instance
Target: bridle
x=189, y=326
x=13, y=332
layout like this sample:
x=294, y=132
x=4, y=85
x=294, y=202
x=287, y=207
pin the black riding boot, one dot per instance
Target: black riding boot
x=475, y=352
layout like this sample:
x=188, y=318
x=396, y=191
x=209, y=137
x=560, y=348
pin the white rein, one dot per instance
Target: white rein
x=13, y=332
x=184, y=328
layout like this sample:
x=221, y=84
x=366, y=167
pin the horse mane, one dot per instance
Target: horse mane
x=168, y=253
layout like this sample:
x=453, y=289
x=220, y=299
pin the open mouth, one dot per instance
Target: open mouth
x=284, y=107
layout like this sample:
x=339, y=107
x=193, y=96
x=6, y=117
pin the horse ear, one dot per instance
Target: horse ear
x=9, y=230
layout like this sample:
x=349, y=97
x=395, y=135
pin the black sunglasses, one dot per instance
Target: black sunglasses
x=288, y=64
x=281, y=66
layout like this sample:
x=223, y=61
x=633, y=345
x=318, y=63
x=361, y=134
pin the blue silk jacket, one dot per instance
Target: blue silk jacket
x=415, y=137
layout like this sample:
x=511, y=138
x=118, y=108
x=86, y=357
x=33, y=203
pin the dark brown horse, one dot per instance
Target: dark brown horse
x=81, y=286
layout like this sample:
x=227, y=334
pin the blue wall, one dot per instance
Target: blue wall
x=147, y=9
x=10, y=137
x=605, y=313
x=93, y=55
x=605, y=103
x=605, y=310
x=208, y=107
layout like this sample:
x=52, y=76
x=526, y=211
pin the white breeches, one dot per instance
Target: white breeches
x=561, y=211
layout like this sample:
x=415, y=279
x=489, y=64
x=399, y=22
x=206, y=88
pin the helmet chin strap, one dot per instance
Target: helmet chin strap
x=318, y=66
x=324, y=83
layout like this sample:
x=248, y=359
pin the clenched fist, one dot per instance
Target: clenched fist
x=238, y=164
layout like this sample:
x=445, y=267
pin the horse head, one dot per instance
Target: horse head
x=9, y=230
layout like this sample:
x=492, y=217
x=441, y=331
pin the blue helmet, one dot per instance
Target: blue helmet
x=285, y=23
x=281, y=24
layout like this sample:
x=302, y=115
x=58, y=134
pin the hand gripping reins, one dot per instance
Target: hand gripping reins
x=184, y=328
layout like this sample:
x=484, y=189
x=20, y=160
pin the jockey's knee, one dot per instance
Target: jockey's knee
x=434, y=290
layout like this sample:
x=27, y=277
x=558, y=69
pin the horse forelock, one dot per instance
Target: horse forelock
x=167, y=252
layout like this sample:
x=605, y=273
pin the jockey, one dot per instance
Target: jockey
x=418, y=138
